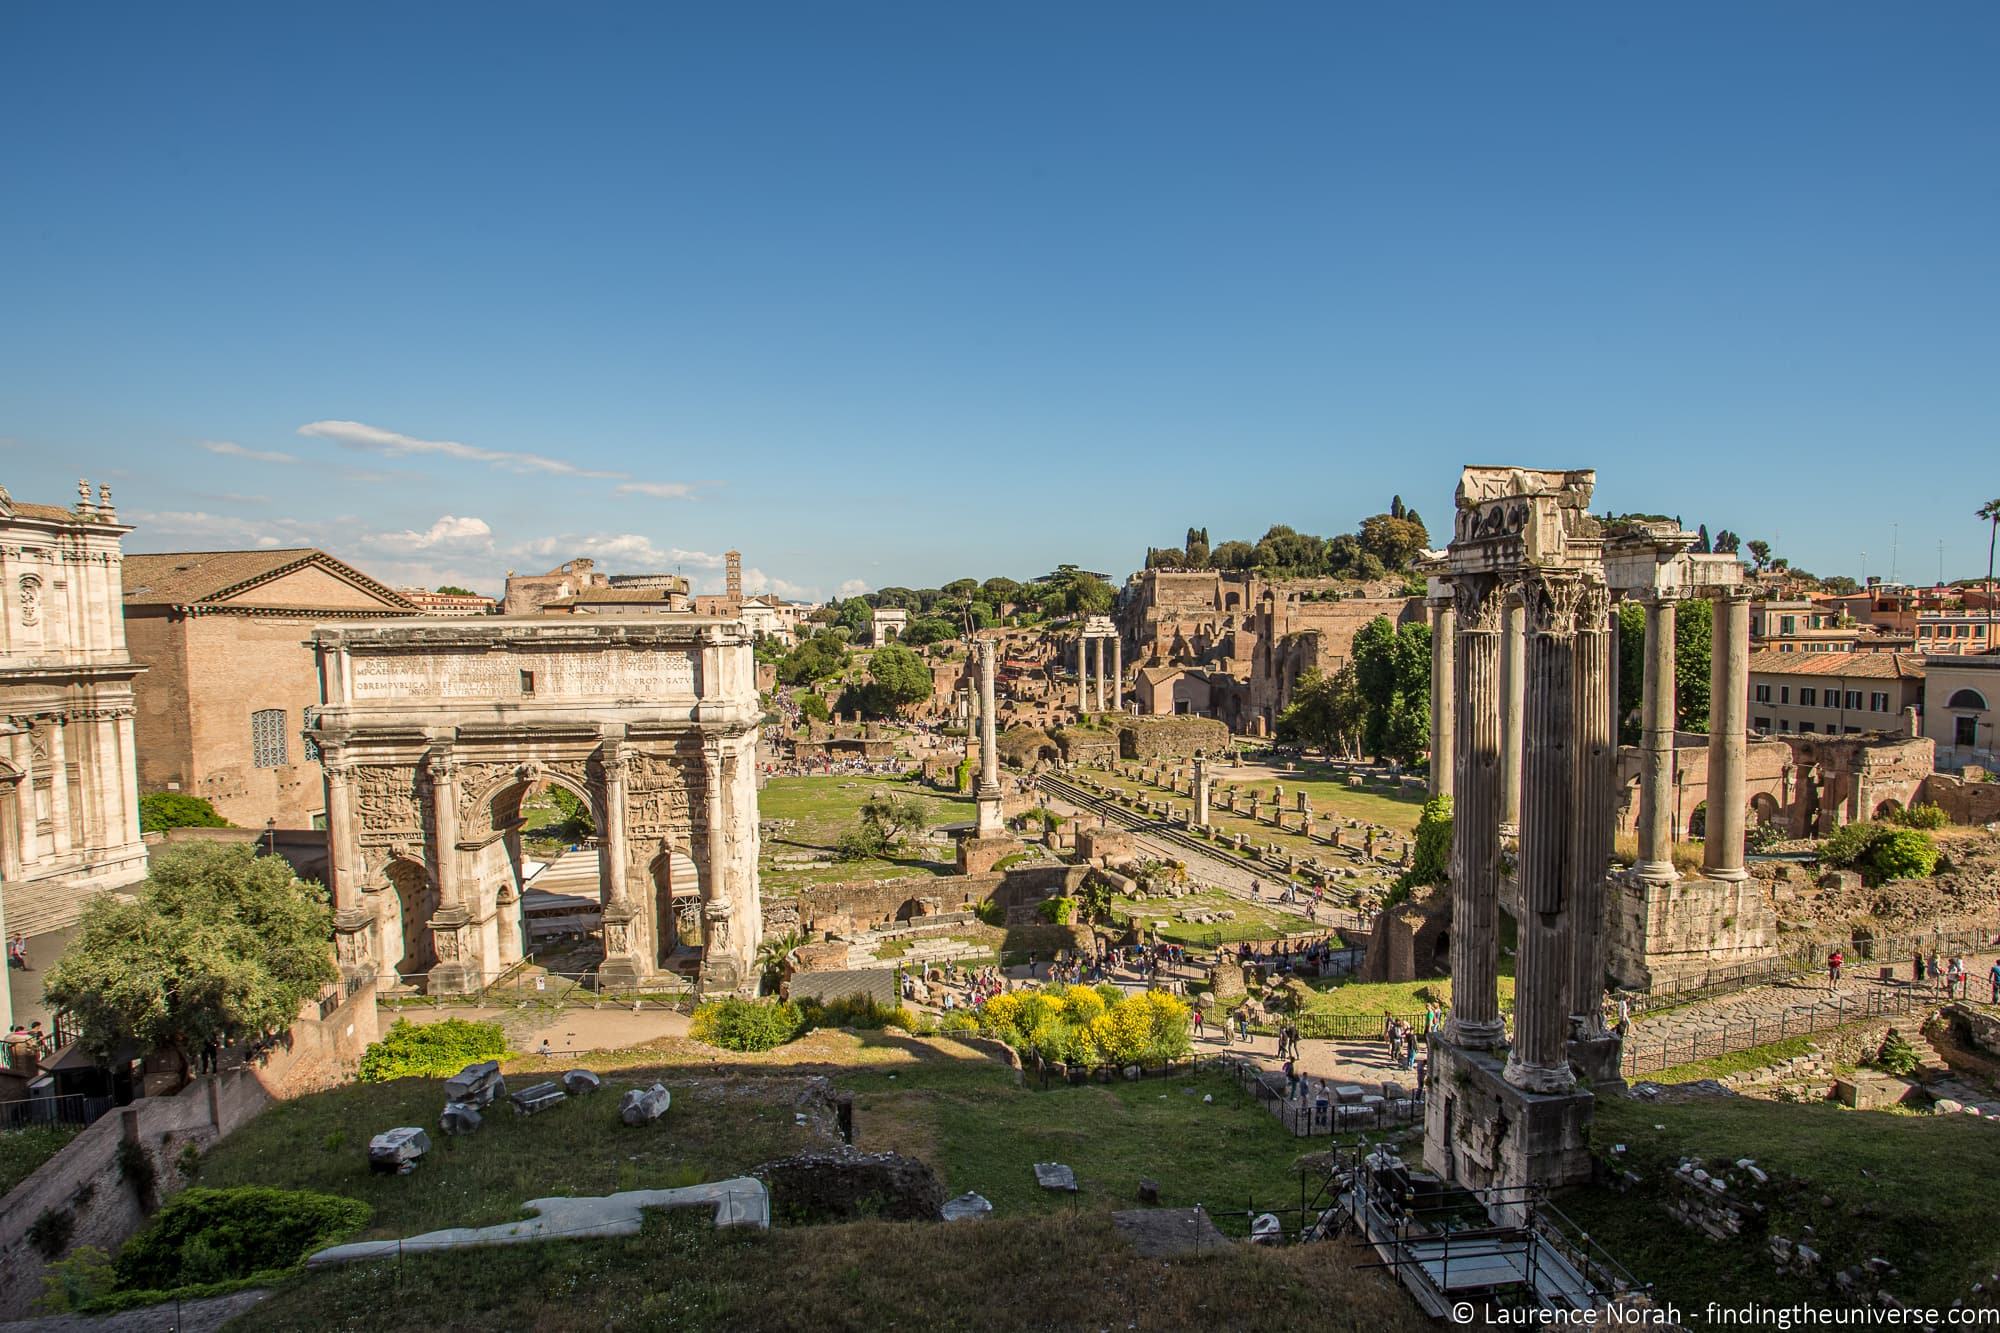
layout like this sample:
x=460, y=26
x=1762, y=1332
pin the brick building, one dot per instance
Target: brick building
x=230, y=684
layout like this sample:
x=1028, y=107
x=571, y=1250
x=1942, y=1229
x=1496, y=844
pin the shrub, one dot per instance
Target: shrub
x=958, y=1020
x=431, y=1050
x=1057, y=911
x=1904, y=854
x=1085, y=1025
x=854, y=1011
x=160, y=810
x=991, y=913
x=861, y=843
x=206, y=1235
x=1847, y=845
x=747, y=1025
x=1923, y=816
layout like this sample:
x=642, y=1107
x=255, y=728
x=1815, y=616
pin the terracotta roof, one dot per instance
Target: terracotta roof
x=50, y=513
x=1845, y=666
x=186, y=578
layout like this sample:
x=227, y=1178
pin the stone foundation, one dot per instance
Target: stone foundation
x=1484, y=1133
x=1657, y=931
x=977, y=856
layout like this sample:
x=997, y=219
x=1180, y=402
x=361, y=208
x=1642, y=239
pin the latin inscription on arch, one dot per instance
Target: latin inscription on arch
x=614, y=673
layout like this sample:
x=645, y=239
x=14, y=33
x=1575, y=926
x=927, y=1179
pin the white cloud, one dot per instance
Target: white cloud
x=659, y=490
x=229, y=449
x=756, y=581
x=853, y=587
x=183, y=528
x=449, y=530
x=373, y=439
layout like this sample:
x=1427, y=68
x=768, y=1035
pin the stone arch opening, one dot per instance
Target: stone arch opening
x=913, y=909
x=1764, y=809
x=1972, y=699
x=676, y=906
x=416, y=900
x=1888, y=809
x=534, y=856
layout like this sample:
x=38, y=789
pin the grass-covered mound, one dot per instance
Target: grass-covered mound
x=207, y=1236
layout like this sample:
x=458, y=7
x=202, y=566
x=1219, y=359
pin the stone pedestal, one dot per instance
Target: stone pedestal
x=1483, y=1132
x=623, y=967
x=977, y=855
x=1596, y=1061
x=455, y=972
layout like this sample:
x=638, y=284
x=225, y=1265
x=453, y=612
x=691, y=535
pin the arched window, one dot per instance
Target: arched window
x=1967, y=699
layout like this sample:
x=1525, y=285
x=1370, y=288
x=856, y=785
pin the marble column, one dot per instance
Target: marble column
x=1444, y=707
x=1082, y=674
x=1475, y=841
x=1097, y=674
x=352, y=922
x=1728, y=730
x=128, y=765
x=711, y=888
x=1539, y=1060
x=612, y=855
x=1513, y=698
x=987, y=796
x=1656, y=772
x=24, y=759
x=1594, y=725
x=1118, y=673
x=1201, y=791
x=444, y=826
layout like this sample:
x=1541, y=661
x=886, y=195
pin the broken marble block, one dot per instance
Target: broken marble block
x=398, y=1150
x=540, y=1097
x=459, y=1118
x=968, y=1207
x=642, y=1106
x=577, y=1082
x=1055, y=1176
x=476, y=1085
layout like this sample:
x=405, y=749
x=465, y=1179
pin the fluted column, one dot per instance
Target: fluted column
x=1082, y=673
x=1656, y=779
x=346, y=885
x=1539, y=1061
x=612, y=857
x=1595, y=728
x=711, y=887
x=24, y=759
x=1728, y=729
x=1444, y=706
x=1513, y=686
x=1097, y=674
x=1118, y=673
x=1475, y=840
x=444, y=825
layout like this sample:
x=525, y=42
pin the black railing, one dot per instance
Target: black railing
x=40, y=1112
x=1731, y=1038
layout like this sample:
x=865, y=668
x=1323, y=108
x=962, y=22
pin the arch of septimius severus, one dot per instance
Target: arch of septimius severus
x=433, y=731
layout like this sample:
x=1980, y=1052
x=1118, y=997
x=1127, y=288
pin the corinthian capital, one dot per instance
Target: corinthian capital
x=1478, y=598
x=1551, y=601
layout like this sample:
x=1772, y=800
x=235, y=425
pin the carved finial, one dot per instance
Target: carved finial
x=83, y=497
x=104, y=502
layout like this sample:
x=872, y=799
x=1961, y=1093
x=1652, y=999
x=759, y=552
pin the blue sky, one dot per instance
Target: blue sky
x=894, y=294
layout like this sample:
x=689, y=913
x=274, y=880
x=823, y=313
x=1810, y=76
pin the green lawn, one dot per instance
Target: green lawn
x=1906, y=1188
x=1052, y=1255
x=823, y=808
x=1254, y=921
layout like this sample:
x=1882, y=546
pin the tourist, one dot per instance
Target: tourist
x=1993, y=979
x=1624, y=1016
x=1917, y=967
x=17, y=951
x=1932, y=970
x=1834, y=961
x=1954, y=976
x=545, y=1050
x=1292, y=1072
x=1197, y=1024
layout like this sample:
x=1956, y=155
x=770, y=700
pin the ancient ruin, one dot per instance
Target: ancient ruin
x=1091, y=641
x=1522, y=601
x=433, y=732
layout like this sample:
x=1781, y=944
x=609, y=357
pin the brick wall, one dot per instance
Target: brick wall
x=85, y=1179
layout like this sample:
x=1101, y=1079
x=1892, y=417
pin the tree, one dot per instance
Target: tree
x=453, y=590
x=1393, y=541
x=856, y=616
x=1283, y=550
x=1000, y=591
x=1346, y=557
x=1727, y=543
x=898, y=677
x=1325, y=712
x=893, y=816
x=1760, y=554
x=1393, y=676
x=1430, y=859
x=577, y=823
x=159, y=810
x=812, y=707
x=1840, y=584
x=1196, y=549
x=1233, y=555
x=220, y=944
x=821, y=657
x=1702, y=545
x=929, y=629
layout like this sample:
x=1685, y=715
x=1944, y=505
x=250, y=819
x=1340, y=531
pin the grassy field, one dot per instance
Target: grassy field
x=1901, y=1188
x=1332, y=795
x=23, y=1150
x=1254, y=921
x=824, y=808
x=1044, y=1260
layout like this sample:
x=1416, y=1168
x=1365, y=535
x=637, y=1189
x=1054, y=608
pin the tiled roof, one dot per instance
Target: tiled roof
x=186, y=578
x=1845, y=666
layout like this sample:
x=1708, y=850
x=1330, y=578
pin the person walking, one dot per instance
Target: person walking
x=1916, y=967
x=1197, y=1025
x=1833, y=964
x=1993, y=979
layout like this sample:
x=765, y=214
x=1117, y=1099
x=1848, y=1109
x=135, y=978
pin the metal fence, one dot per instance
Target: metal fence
x=1823, y=1017
x=553, y=990
x=1893, y=953
x=1046, y=1074
x=40, y=1112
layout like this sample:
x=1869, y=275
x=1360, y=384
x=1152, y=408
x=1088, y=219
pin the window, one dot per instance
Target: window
x=1788, y=624
x=1966, y=699
x=1808, y=696
x=1965, y=731
x=1854, y=700
x=1763, y=694
x=1784, y=694
x=267, y=738
x=1878, y=702
x=1851, y=730
x=1805, y=727
x=527, y=682
x=1762, y=725
x=310, y=719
